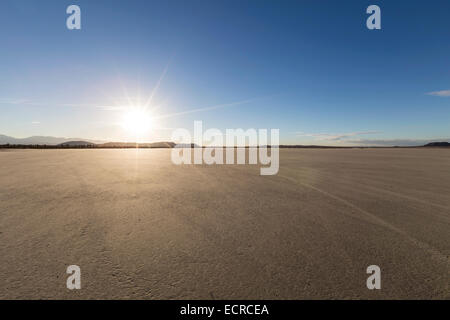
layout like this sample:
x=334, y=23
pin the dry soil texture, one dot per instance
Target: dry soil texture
x=141, y=227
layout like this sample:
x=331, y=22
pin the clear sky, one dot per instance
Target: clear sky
x=310, y=68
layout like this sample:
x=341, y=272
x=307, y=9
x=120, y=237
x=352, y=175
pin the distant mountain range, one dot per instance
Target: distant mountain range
x=41, y=140
x=77, y=142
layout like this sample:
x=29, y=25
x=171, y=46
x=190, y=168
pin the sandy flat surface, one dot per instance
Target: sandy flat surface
x=141, y=227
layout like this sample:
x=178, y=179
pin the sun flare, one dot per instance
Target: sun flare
x=137, y=121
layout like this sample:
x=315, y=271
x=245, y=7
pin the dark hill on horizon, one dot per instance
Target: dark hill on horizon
x=437, y=144
x=134, y=145
x=77, y=144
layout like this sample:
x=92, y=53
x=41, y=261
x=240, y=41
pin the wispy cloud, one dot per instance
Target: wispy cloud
x=442, y=93
x=29, y=102
x=334, y=136
x=15, y=101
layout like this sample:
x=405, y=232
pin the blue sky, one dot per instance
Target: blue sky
x=310, y=68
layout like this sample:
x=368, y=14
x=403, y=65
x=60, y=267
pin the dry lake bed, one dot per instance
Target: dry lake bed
x=140, y=227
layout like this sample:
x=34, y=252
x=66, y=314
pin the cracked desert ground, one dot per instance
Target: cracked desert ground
x=141, y=227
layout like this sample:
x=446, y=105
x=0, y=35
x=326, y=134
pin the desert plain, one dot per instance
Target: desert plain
x=140, y=227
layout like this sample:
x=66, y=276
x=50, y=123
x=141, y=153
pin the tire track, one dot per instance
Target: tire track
x=436, y=254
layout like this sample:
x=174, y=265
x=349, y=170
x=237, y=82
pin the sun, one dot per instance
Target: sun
x=137, y=121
